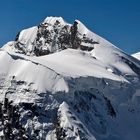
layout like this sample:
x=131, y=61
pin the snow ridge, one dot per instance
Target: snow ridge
x=136, y=55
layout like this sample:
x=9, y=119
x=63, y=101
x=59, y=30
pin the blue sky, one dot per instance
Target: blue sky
x=116, y=20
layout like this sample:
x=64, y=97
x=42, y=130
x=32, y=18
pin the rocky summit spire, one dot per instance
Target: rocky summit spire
x=53, y=35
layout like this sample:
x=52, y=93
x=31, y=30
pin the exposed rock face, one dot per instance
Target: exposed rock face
x=52, y=37
x=10, y=122
x=25, y=120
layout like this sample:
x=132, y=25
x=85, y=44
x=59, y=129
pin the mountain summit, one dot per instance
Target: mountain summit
x=53, y=35
x=60, y=81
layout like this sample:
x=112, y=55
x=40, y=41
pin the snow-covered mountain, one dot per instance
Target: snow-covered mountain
x=137, y=55
x=60, y=81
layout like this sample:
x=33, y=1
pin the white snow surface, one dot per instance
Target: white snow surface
x=79, y=88
x=136, y=55
x=52, y=20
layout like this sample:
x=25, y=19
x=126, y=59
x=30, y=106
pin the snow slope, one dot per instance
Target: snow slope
x=62, y=81
x=137, y=55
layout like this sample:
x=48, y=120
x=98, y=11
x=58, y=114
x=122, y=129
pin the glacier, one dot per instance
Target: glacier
x=61, y=81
